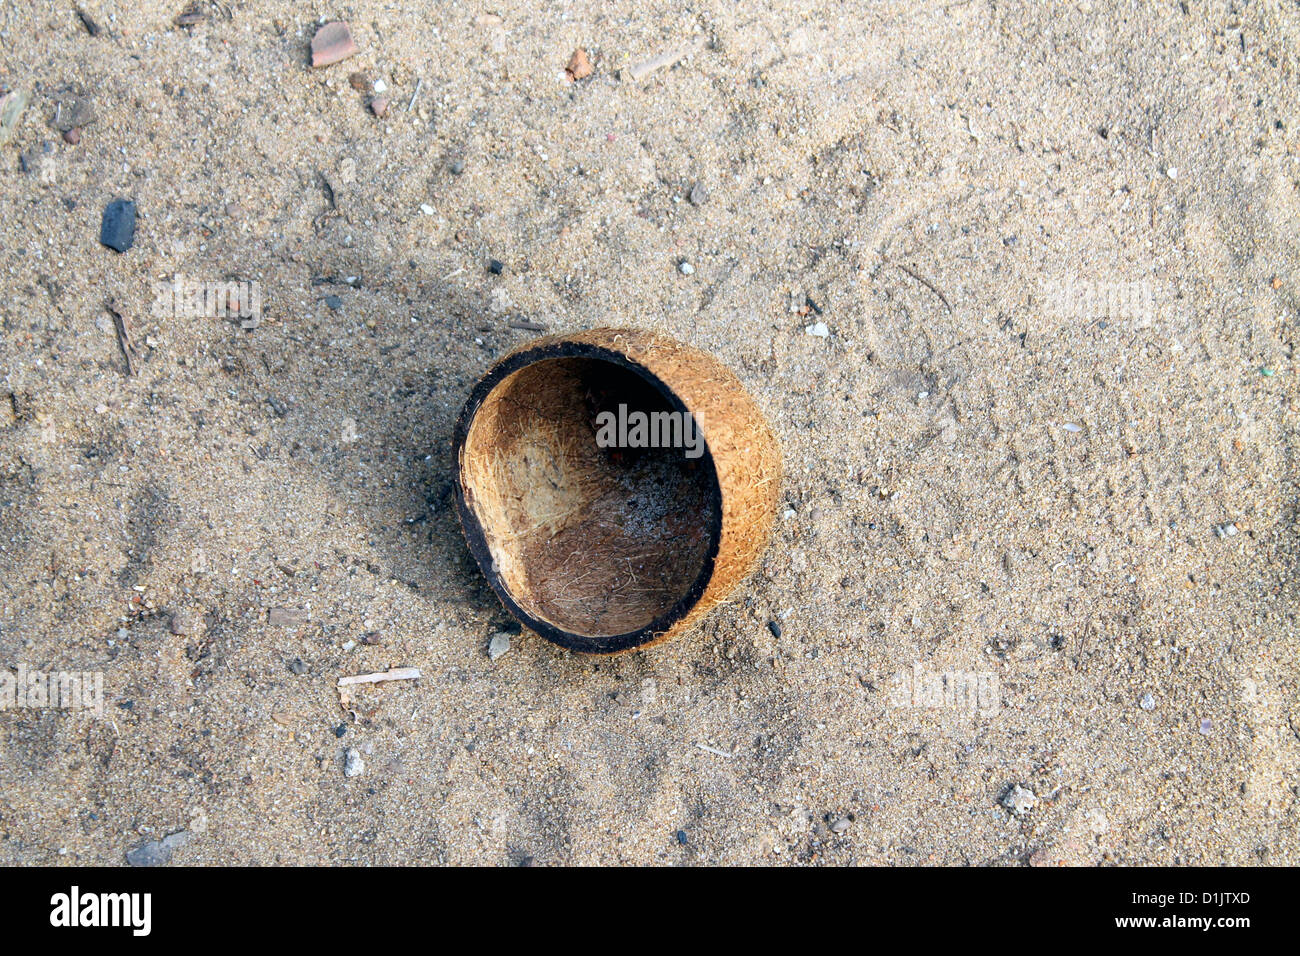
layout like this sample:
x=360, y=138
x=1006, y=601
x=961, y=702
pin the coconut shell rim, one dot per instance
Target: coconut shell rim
x=559, y=348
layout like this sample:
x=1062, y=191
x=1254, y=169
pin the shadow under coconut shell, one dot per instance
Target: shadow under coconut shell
x=597, y=546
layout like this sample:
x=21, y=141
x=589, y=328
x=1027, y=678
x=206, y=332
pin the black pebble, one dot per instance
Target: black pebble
x=117, y=231
x=681, y=837
x=334, y=302
x=496, y=266
x=775, y=628
x=340, y=730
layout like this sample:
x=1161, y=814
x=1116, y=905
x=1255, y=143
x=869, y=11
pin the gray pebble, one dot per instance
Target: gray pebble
x=1147, y=702
x=499, y=644
x=158, y=852
x=699, y=195
x=1019, y=800
x=686, y=269
x=353, y=765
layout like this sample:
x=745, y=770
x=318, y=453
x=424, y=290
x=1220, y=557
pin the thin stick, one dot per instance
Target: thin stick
x=639, y=71
x=419, y=82
x=123, y=338
x=713, y=750
x=395, y=673
x=929, y=285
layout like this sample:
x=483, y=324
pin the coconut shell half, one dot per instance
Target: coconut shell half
x=601, y=536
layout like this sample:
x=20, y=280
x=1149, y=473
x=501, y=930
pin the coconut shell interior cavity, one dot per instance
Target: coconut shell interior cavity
x=607, y=549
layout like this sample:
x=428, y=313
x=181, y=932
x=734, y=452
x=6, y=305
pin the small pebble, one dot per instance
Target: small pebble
x=12, y=104
x=775, y=628
x=117, y=230
x=499, y=644
x=841, y=825
x=340, y=730
x=72, y=136
x=1071, y=427
x=353, y=765
x=699, y=195
x=579, y=67
x=379, y=105
x=298, y=666
x=1019, y=800
x=1148, y=702
x=457, y=167
x=74, y=115
x=333, y=42
x=334, y=302
x=682, y=838
x=818, y=329
x=685, y=268
x=496, y=266
x=158, y=852
x=1206, y=726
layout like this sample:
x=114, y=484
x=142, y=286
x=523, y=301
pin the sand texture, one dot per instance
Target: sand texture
x=1016, y=285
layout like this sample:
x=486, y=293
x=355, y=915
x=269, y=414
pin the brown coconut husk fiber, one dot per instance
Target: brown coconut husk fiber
x=609, y=549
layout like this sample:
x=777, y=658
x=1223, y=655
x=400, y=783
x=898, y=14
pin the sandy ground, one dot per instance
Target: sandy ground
x=1001, y=468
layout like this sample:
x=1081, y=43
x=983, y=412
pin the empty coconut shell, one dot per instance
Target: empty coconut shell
x=613, y=485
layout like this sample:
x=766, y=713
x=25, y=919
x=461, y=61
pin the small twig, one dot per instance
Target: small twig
x=419, y=83
x=526, y=325
x=929, y=285
x=123, y=337
x=713, y=750
x=639, y=71
x=88, y=22
x=394, y=673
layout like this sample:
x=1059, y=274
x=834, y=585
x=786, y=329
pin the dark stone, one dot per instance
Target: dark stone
x=117, y=231
x=775, y=628
x=496, y=266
